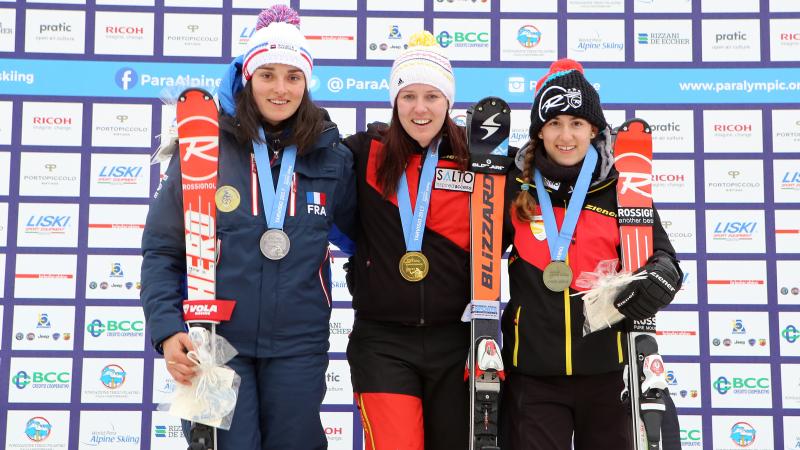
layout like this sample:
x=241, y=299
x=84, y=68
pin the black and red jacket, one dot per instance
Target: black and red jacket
x=379, y=291
x=542, y=329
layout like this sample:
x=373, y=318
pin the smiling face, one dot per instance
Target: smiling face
x=566, y=139
x=277, y=91
x=422, y=110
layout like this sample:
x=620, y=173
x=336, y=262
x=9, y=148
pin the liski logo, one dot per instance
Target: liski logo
x=126, y=78
x=735, y=231
x=38, y=429
x=743, y=434
x=738, y=327
x=112, y=376
x=791, y=334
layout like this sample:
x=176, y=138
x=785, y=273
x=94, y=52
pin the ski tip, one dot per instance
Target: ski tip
x=192, y=93
x=636, y=125
x=491, y=102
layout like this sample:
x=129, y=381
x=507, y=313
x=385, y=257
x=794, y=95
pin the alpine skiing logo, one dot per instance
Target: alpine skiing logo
x=560, y=99
x=490, y=126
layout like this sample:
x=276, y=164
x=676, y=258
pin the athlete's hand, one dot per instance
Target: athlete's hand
x=179, y=365
x=644, y=298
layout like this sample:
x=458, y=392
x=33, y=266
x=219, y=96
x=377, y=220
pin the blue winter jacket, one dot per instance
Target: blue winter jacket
x=283, y=307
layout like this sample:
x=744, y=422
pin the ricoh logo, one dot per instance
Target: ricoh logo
x=62, y=27
x=733, y=128
x=334, y=431
x=44, y=120
x=123, y=30
x=666, y=178
x=789, y=37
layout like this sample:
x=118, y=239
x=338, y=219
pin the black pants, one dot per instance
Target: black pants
x=409, y=385
x=546, y=413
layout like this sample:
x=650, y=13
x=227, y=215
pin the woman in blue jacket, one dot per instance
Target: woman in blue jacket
x=280, y=324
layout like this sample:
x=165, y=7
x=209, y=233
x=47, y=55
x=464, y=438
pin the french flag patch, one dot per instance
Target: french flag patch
x=315, y=203
x=315, y=198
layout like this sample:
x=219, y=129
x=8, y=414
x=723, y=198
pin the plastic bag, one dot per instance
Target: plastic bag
x=604, y=284
x=211, y=398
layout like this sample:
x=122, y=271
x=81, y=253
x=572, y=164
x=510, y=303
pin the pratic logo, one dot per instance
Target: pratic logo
x=791, y=334
x=114, y=328
x=112, y=376
x=61, y=27
x=669, y=127
x=473, y=39
x=746, y=386
x=45, y=380
x=126, y=78
x=743, y=434
x=529, y=36
x=38, y=429
x=736, y=36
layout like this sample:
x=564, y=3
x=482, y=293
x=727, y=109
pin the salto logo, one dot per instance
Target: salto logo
x=126, y=78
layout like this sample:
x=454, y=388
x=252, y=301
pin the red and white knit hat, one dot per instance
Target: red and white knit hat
x=277, y=40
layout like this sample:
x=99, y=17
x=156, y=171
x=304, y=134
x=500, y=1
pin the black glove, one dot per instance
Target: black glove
x=643, y=298
x=348, y=274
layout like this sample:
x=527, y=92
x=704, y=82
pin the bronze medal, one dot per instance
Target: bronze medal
x=557, y=276
x=414, y=266
x=274, y=244
x=227, y=198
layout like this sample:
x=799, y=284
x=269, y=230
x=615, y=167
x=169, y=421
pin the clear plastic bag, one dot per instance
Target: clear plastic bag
x=211, y=398
x=603, y=285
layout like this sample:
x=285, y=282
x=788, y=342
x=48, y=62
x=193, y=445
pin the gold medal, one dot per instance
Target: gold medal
x=227, y=198
x=414, y=266
x=557, y=276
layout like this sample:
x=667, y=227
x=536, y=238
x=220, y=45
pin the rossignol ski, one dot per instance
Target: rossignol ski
x=198, y=139
x=645, y=382
x=488, y=128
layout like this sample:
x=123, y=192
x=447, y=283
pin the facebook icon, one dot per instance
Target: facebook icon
x=126, y=78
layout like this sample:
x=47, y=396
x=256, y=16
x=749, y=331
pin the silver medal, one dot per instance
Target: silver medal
x=274, y=244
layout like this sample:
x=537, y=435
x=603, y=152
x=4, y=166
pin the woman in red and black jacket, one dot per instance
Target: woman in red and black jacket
x=562, y=388
x=410, y=282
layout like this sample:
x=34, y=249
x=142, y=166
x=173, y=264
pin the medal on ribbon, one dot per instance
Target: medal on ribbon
x=413, y=264
x=557, y=275
x=274, y=243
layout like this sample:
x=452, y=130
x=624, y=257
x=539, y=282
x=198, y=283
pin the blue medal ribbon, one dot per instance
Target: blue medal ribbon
x=559, y=241
x=275, y=200
x=414, y=226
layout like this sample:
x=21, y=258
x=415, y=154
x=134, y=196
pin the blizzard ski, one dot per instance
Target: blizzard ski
x=198, y=140
x=488, y=128
x=645, y=382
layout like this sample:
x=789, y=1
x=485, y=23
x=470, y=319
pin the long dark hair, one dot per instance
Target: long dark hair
x=524, y=205
x=307, y=122
x=398, y=146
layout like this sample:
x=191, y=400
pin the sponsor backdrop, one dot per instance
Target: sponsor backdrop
x=80, y=113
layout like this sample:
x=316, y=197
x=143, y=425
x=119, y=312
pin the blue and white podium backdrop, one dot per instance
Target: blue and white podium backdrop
x=80, y=114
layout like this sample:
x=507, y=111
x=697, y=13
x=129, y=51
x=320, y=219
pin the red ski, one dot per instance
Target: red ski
x=645, y=382
x=198, y=138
